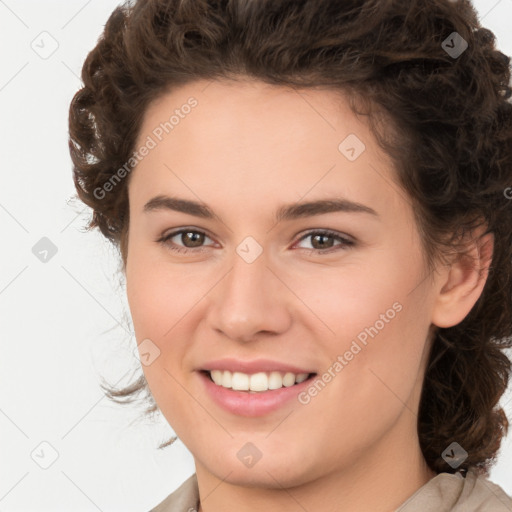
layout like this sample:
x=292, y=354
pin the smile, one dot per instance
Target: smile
x=254, y=394
x=256, y=382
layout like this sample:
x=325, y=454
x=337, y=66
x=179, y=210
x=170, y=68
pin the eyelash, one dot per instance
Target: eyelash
x=344, y=245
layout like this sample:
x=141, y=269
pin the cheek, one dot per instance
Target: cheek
x=159, y=302
x=360, y=299
x=384, y=376
x=159, y=296
x=379, y=327
x=374, y=384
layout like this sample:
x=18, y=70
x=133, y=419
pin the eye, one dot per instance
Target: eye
x=191, y=239
x=322, y=241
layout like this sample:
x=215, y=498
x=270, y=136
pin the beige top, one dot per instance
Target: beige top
x=445, y=492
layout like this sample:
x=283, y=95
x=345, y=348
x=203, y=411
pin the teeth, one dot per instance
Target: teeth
x=216, y=376
x=260, y=381
x=240, y=381
x=301, y=377
x=275, y=381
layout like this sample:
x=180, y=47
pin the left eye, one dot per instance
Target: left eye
x=319, y=244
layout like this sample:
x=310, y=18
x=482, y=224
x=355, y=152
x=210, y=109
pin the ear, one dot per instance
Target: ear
x=461, y=282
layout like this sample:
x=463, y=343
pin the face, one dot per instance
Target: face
x=333, y=290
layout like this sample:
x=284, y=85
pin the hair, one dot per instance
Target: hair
x=448, y=130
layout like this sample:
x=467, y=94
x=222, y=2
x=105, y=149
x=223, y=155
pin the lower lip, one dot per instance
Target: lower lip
x=244, y=403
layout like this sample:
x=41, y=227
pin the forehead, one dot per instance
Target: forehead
x=252, y=112
x=255, y=141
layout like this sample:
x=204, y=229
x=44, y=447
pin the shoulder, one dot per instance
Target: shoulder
x=448, y=492
x=184, y=499
x=479, y=494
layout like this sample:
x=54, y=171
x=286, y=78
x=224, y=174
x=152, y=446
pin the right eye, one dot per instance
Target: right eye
x=190, y=238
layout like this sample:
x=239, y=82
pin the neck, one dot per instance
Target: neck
x=380, y=482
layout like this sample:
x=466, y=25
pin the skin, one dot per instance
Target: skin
x=246, y=149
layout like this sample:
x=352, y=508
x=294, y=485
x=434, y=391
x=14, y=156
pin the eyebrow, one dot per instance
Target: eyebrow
x=285, y=212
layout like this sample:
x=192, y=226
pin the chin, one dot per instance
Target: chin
x=272, y=473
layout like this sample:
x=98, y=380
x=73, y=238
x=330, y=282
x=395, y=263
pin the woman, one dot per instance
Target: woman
x=310, y=202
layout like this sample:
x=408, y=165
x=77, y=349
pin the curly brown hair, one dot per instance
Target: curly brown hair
x=451, y=142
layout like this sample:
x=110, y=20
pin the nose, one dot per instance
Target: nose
x=250, y=302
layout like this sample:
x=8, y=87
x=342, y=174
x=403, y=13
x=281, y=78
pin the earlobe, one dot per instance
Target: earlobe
x=462, y=283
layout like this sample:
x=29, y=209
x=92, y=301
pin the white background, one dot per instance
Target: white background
x=63, y=323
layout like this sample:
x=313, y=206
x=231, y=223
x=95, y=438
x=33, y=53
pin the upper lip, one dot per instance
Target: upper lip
x=253, y=366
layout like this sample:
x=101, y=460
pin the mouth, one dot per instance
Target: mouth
x=258, y=382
